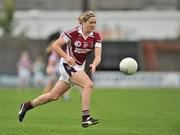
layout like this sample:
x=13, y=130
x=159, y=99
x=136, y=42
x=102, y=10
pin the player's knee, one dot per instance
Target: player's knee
x=53, y=97
x=89, y=85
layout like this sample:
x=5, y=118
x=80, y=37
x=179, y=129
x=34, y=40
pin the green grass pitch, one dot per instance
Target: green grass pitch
x=121, y=112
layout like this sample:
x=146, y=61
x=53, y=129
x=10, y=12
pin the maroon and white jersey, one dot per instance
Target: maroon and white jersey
x=78, y=46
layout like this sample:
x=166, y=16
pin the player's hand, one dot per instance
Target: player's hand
x=71, y=61
x=93, y=68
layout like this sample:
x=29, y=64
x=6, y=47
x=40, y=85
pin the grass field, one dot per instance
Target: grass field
x=122, y=112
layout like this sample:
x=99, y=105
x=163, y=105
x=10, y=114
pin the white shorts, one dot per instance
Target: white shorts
x=67, y=71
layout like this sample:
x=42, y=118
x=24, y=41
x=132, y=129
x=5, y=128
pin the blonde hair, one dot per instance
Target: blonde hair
x=85, y=16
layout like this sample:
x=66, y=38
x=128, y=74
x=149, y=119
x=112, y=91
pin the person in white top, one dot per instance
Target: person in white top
x=52, y=71
x=38, y=71
x=24, y=66
x=52, y=68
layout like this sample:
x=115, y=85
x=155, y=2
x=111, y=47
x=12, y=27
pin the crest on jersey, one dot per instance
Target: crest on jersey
x=77, y=43
x=85, y=44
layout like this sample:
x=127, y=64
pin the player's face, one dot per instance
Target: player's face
x=90, y=25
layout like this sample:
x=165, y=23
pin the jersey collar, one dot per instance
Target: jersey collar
x=80, y=31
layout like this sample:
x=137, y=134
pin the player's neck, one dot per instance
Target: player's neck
x=85, y=32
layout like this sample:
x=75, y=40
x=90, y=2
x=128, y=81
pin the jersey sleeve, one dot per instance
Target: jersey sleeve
x=98, y=40
x=66, y=37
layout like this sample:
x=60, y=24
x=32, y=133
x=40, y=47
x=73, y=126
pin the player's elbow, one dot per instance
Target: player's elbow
x=55, y=46
x=99, y=59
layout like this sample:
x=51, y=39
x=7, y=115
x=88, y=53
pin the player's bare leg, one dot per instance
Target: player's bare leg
x=81, y=78
x=57, y=91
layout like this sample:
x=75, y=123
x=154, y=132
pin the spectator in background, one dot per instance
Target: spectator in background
x=38, y=72
x=24, y=67
x=52, y=70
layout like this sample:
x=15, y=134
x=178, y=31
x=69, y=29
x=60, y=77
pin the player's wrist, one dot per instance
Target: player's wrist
x=67, y=57
x=94, y=65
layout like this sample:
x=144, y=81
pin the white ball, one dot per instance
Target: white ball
x=128, y=66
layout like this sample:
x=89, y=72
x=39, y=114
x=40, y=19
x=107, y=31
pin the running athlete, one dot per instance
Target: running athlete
x=78, y=42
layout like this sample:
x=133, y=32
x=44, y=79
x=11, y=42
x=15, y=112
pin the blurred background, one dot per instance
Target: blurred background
x=147, y=30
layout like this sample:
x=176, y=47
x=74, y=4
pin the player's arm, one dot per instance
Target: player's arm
x=97, y=59
x=57, y=47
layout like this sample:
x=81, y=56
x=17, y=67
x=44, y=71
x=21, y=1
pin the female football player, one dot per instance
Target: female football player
x=78, y=42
